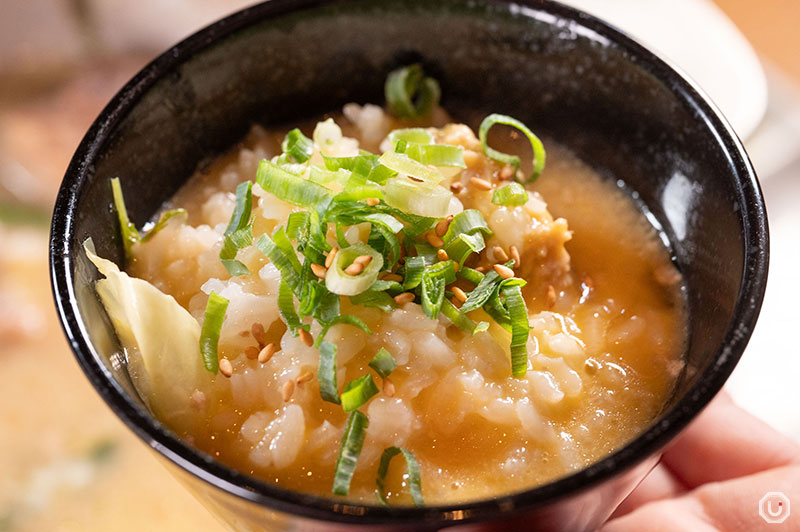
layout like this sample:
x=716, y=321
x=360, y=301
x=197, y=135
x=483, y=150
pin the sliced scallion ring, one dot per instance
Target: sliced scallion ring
x=437, y=154
x=403, y=164
x=422, y=199
x=409, y=94
x=412, y=470
x=339, y=282
x=513, y=160
x=418, y=135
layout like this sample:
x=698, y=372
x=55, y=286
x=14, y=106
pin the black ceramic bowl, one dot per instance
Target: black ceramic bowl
x=567, y=75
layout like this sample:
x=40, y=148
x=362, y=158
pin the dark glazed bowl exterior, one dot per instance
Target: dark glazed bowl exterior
x=566, y=74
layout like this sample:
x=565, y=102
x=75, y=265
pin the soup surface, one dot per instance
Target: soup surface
x=604, y=304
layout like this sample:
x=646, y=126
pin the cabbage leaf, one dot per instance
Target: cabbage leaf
x=161, y=340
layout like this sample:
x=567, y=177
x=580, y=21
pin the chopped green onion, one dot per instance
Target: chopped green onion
x=464, y=235
x=381, y=174
x=291, y=188
x=403, y=164
x=383, y=363
x=381, y=286
x=231, y=245
x=287, y=265
x=417, y=225
x=326, y=134
x=482, y=292
x=328, y=309
x=286, y=308
x=437, y=154
x=374, y=298
x=511, y=195
x=412, y=470
x=162, y=223
x=209, y=334
x=513, y=160
x=326, y=374
x=347, y=319
x=422, y=199
x=239, y=232
x=432, y=295
x=349, y=451
x=417, y=135
x=340, y=239
x=473, y=276
x=409, y=94
x=357, y=392
x=460, y=248
x=339, y=282
x=128, y=231
x=468, y=221
x=244, y=207
x=297, y=226
x=323, y=177
x=298, y=146
x=512, y=293
x=415, y=269
x=358, y=163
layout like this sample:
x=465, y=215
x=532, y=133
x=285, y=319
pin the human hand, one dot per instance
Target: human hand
x=711, y=479
x=713, y=476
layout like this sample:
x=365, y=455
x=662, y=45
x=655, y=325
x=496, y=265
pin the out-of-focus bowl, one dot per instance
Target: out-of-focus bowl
x=566, y=74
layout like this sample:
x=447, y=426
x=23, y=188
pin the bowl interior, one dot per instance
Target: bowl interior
x=564, y=74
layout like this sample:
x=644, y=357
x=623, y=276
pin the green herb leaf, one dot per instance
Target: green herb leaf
x=349, y=451
x=209, y=334
x=513, y=160
x=357, y=392
x=412, y=469
x=409, y=94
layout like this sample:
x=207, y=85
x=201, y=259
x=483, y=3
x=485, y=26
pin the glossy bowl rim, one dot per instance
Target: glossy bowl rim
x=239, y=485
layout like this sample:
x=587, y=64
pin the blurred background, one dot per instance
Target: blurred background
x=67, y=463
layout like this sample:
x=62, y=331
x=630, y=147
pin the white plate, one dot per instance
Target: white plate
x=697, y=37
